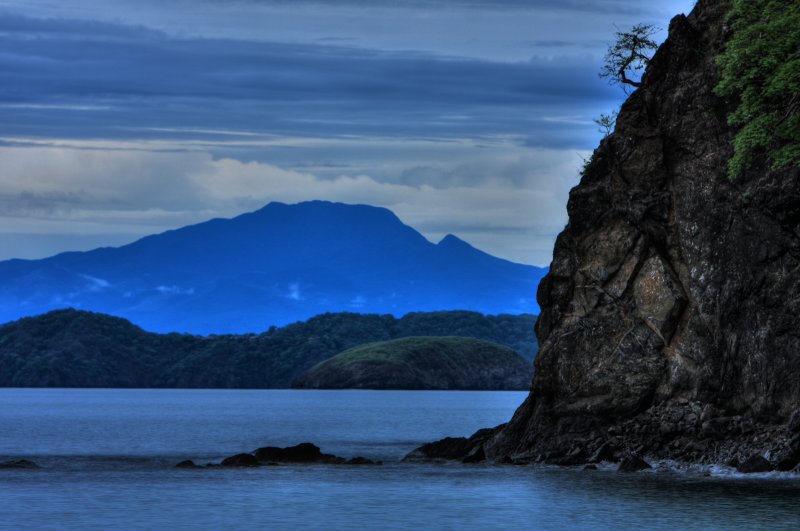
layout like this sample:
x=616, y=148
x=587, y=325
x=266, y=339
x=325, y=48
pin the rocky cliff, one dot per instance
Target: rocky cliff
x=669, y=322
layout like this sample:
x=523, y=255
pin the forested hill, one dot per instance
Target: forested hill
x=71, y=348
x=441, y=363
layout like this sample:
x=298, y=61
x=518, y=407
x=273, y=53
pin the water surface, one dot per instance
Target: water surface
x=107, y=459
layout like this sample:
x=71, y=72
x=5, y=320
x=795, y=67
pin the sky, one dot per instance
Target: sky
x=122, y=118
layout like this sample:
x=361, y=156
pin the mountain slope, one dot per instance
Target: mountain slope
x=440, y=363
x=277, y=265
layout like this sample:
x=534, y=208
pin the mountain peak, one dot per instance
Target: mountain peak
x=323, y=206
x=453, y=241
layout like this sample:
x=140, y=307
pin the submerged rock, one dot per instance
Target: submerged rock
x=19, y=463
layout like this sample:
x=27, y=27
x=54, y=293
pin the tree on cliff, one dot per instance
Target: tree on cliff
x=761, y=68
x=607, y=122
x=629, y=55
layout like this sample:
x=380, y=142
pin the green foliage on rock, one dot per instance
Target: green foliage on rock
x=761, y=67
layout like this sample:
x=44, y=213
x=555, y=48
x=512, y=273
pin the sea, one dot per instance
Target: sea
x=107, y=461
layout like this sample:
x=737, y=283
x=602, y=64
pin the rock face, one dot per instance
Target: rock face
x=669, y=322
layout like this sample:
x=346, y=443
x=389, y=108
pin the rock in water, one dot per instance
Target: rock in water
x=301, y=453
x=358, y=460
x=240, y=460
x=19, y=463
x=468, y=450
x=755, y=463
x=272, y=455
x=633, y=463
x=670, y=314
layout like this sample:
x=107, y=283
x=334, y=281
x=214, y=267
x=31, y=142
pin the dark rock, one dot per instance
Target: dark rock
x=19, y=463
x=362, y=461
x=477, y=455
x=452, y=448
x=273, y=455
x=447, y=448
x=576, y=456
x=794, y=422
x=240, y=460
x=301, y=453
x=590, y=467
x=604, y=453
x=787, y=456
x=753, y=464
x=633, y=463
x=786, y=464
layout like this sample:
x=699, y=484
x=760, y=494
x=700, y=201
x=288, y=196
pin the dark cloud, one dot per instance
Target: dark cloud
x=89, y=79
x=41, y=204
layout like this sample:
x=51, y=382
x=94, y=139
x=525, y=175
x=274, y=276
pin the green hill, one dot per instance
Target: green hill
x=71, y=348
x=422, y=363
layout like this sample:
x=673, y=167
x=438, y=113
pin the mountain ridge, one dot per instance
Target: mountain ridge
x=278, y=264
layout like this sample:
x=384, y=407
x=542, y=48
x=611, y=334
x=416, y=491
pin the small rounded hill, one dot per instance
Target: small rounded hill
x=422, y=363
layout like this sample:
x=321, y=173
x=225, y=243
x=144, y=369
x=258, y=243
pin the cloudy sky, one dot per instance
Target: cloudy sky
x=121, y=118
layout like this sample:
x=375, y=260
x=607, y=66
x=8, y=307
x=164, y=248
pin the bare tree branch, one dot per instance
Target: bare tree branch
x=629, y=55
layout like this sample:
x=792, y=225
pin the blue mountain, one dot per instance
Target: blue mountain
x=277, y=265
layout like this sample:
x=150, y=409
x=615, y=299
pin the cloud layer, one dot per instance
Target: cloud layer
x=144, y=192
x=470, y=117
x=90, y=79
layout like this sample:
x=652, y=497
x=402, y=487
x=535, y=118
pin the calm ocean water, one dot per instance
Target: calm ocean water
x=107, y=459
